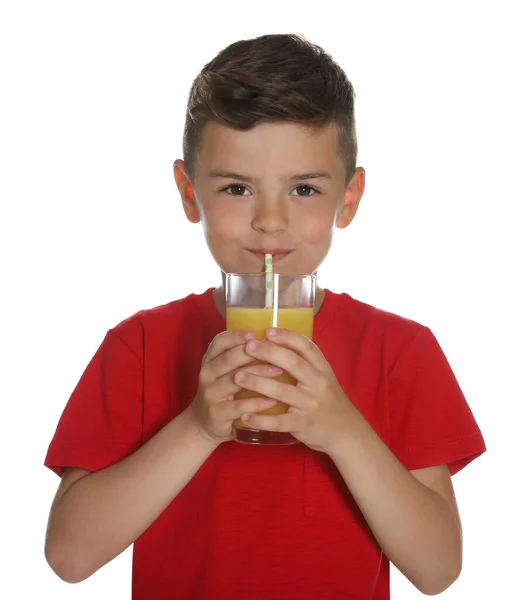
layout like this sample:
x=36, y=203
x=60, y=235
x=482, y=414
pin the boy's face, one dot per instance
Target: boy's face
x=267, y=208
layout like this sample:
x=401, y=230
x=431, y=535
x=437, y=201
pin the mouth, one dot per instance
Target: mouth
x=278, y=254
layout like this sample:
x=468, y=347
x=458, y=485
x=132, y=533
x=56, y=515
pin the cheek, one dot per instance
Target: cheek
x=222, y=224
x=317, y=228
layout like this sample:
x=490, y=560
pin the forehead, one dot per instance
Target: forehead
x=269, y=147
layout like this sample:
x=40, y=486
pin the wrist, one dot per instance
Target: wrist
x=195, y=431
x=339, y=446
x=350, y=433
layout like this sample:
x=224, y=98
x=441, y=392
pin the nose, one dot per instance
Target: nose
x=270, y=217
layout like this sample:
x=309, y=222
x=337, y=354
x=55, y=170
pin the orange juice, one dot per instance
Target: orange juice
x=258, y=320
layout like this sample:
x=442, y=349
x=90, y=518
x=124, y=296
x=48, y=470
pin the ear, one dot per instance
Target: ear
x=353, y=194
x=186, y=191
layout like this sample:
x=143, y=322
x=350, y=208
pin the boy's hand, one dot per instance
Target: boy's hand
x=320, y=414
x=214, y=409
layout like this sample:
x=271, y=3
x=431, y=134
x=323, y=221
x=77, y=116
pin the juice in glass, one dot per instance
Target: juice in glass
x=259, y=320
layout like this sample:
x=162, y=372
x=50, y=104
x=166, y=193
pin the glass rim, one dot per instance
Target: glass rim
x=296, y=275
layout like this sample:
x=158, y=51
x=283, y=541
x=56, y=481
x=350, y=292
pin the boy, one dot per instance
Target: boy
x=144, y=445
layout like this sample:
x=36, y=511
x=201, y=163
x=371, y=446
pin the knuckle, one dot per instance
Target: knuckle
x=203, y=377
x=325, y=384
x=207, y=395
x=235, y=337
x=213, y=411
x=232, y=358
x=218, y=341
x=227, y=357
x=213, y=414
x=215, y=342
x=240, y=336
x=295, y=360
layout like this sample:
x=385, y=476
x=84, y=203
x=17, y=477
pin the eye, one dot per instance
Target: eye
x=237, y=189
x=308, y=189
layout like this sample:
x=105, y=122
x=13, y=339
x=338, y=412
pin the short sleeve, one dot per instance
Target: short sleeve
x=430, y=421
x=102, y=421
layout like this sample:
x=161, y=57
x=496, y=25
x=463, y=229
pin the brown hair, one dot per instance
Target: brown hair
x=271, y=78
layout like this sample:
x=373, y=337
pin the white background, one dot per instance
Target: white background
x=92, y=230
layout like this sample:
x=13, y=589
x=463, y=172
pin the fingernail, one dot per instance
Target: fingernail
x=252, y=346
x=241, y=376
x=249, y=336
x=271, y=332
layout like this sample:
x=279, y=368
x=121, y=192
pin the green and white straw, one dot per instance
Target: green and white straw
x=268, y=269
x=272, y=288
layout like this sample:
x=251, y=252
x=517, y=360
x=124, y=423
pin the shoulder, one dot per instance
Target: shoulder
x=377, y=321
x=372, y=334
x=165, y=319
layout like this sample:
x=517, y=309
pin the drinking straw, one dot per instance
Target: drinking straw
x=268, y=269
x=272, y=288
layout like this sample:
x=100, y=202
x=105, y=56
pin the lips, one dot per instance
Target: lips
x=277, y=255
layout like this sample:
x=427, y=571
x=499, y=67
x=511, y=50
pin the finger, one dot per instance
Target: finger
x=230, y=360
x=270, y=387
x=286, y=359
x=264, y=370
x=224, y=341
x=225, y=386
x=300, y=344
x=286, y=422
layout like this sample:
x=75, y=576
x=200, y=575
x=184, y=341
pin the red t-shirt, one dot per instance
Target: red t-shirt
x=272, y=523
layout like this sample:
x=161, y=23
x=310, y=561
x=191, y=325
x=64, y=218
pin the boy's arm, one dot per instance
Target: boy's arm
x=96, y=516
x=412, y=514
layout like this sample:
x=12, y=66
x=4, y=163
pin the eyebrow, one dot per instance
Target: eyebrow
x=220, y=174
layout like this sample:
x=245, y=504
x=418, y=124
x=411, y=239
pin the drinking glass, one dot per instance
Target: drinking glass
x=256, y=302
